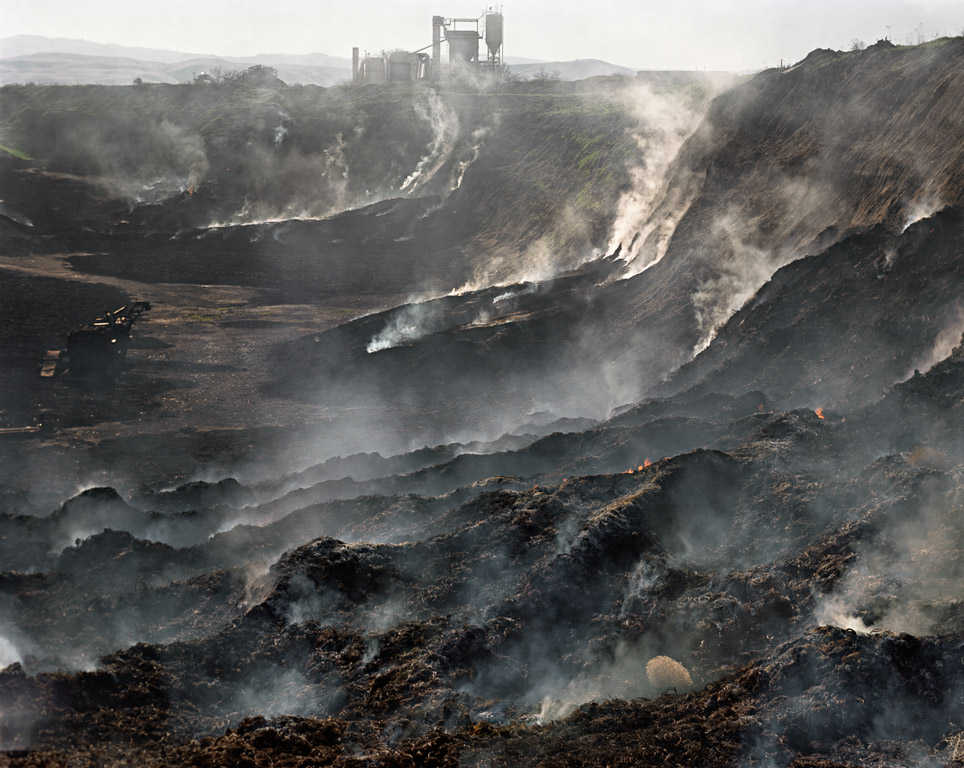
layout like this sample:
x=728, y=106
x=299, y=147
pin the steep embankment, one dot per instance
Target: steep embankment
x=784, y=165
x=515, y=163
x=790, y=161
x=838, y=328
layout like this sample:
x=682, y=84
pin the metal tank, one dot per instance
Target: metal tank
x=493, y=33
x=463, y=45
x=373, y=70
x=402, y=67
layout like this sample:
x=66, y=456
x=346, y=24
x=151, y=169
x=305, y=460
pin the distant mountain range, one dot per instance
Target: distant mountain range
x=64, y=61
x=43, y=60
x=578, y=69
x=76, y=69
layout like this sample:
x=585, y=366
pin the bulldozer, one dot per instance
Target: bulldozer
x=99, y=349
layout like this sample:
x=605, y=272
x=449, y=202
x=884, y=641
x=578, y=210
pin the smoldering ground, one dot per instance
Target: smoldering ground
x=445, y=598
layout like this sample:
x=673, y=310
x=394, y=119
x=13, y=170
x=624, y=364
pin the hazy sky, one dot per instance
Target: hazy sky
x=669, y=34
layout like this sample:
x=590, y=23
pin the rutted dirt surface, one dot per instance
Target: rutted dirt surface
x=196, y=364
x=315, y=522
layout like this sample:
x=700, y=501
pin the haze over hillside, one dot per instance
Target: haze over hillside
x=486, y=422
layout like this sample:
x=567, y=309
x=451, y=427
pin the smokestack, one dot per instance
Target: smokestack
x=437, y=22
x=354, y=66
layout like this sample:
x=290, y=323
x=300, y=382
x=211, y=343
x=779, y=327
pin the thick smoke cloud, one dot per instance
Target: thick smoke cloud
x=907, y=577
x=146, y=161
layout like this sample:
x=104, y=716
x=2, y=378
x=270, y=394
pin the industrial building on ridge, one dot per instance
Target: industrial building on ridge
x=461, y=36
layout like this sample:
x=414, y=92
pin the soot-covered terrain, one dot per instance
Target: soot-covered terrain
x=608, y=423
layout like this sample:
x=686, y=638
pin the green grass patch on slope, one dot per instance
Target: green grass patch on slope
x=15, y=153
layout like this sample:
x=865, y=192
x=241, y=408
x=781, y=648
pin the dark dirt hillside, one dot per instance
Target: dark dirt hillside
x=552, y=508
x=117, y=187
x=838, y=327
x=792, y=160
x=768, y=181
x=256, y=154
x=382, y=648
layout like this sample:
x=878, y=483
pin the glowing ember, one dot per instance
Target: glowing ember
x=819, y=413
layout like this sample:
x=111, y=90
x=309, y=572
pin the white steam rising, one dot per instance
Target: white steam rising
x=921, y=208
x=470, y=155
x=281, y=130
x=382, y=615
x=646, y=575
x=8, y=653
x=906, y=579
x=336, y=170
x=412, y=322
x=624, y=677
x=944, y=343
x=540, y=261
x=308, y=603
x=665, y=122
x=744, y=250
x=188, y=151
x=742, y=270
x=513, y=294
x=174, y=160
x=316, y=185
x=275, y=690
x=445, y=130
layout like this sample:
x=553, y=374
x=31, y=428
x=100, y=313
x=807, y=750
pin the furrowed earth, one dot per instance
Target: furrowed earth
x=607, y=423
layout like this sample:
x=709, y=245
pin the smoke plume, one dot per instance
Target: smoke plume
x=411, y=322
x=445, y=129
x=8, y=653
x=647, y=213
x=909, y=577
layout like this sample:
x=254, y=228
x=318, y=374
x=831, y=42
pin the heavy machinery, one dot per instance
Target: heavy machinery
x=99, y=348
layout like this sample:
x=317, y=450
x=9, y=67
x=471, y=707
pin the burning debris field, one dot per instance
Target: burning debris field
x=618, y=422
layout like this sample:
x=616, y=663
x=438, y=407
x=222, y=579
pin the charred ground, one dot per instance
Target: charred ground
x=224, y=581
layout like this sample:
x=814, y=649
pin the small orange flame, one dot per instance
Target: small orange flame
x=640, y=468
x=819, y=413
